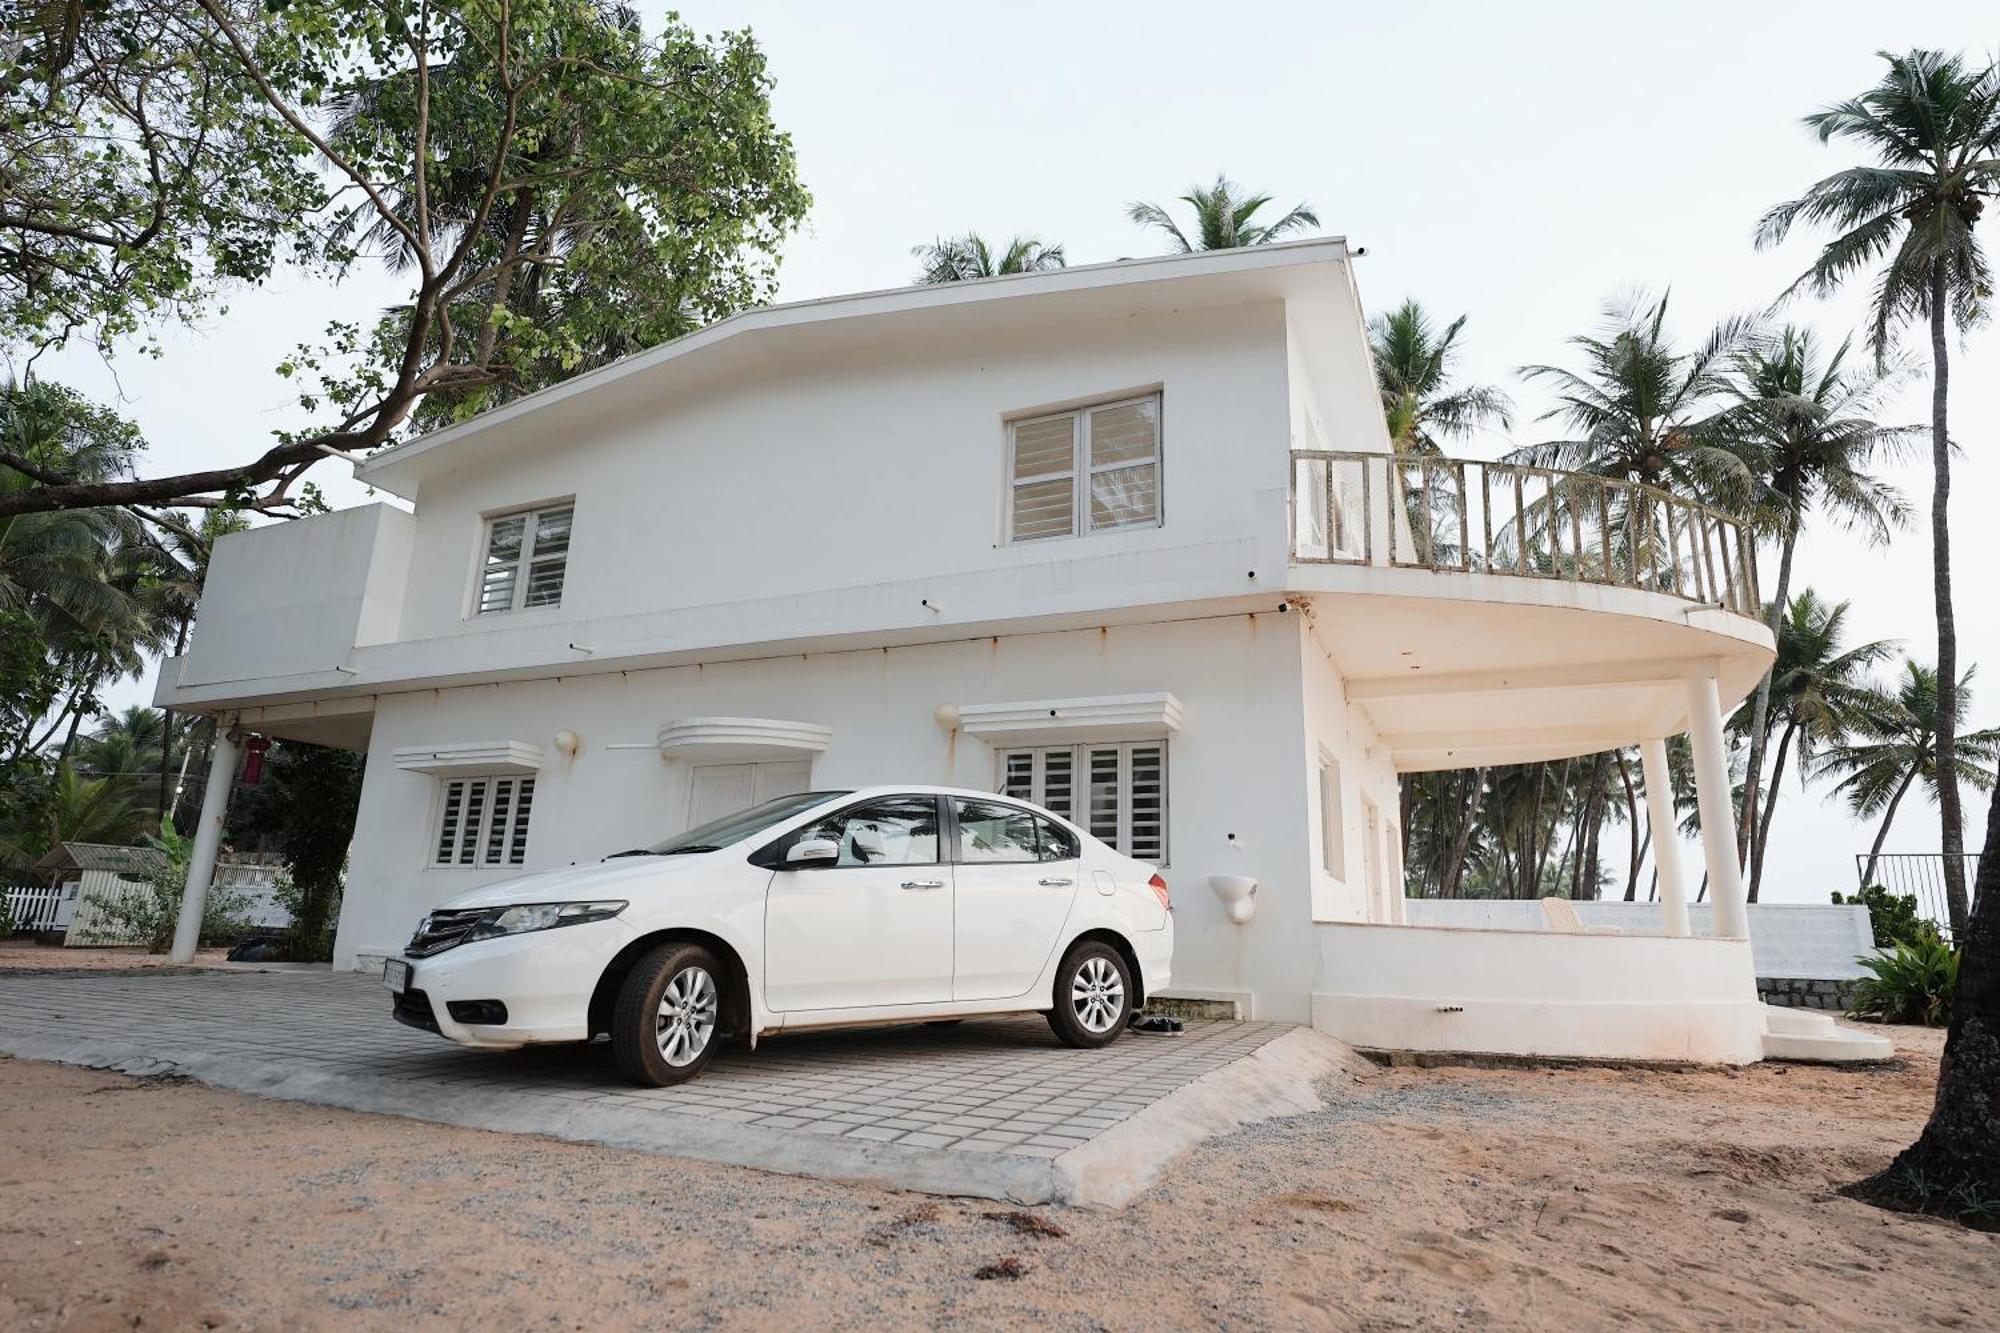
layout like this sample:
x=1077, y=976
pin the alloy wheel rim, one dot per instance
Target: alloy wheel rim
x=1097, y=994
x=686, y=1017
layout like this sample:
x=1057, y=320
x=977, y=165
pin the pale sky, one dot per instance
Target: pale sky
x=1518, y=163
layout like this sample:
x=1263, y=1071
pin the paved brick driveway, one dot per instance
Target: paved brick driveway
x=985, y=1107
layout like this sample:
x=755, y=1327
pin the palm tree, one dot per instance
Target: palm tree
x=963, y=258
x=1223, y=218
x=1822, y=694
x=1644, y=410
x=1414, y=371
x=1809, y=422
x=84, y=809
x=1932, y=126
x=1897, y=750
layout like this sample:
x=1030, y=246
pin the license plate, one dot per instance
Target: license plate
x=396, y=975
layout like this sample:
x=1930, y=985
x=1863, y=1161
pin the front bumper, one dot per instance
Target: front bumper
x=544, y=977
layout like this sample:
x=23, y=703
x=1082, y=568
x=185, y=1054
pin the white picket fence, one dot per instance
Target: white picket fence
x=33, y=907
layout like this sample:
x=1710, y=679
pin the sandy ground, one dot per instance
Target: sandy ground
x=1422, y=1198
x=27, y=956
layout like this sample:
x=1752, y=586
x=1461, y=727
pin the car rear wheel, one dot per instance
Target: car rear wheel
x=664, y=1028
x=1093, y=996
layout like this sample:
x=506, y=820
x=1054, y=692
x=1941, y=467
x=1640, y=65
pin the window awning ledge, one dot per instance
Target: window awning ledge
x=740, y=738
x=1104, y=717
x=470, y=758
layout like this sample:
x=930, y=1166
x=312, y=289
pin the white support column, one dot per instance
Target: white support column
x=1718, y=820
x=207, y=842
x=1666, y=835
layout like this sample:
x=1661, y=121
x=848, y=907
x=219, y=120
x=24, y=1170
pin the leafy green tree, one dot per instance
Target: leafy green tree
x=963, y=258
x=1820, y=695
x=142, y=174
x=1932, y=127
x=1895, y=749
x=1224, y=218
x=304, y=809
x=1809, y=423
x=1422, y=401
x=561, y=188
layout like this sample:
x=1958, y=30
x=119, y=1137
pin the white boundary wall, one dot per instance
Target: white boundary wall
x=1536, y=993
x=1817, y=941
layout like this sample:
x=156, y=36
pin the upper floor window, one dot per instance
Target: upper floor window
x=1090, y=470
x=526, y=555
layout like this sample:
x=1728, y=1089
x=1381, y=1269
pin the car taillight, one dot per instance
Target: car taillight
x=1159, y=888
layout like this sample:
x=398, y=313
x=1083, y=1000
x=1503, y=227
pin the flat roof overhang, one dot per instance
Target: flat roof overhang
x=1466, y=670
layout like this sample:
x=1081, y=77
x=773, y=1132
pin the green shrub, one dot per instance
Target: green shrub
x=149, y=914
x=1911, y=983
x=308, y=943
x=1893, y=917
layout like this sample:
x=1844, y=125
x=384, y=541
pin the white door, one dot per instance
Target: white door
x=715, y=790
x=872, y=929
x=1015, y=878
x=1371, y=859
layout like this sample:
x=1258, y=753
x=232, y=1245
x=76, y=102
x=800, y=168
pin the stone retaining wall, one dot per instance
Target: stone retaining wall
x=1806, y=993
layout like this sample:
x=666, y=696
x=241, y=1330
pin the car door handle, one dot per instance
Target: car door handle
x=1057, y=883
x=923, y=883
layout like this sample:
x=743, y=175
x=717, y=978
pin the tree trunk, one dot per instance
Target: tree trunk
x=1454, y=869
x=167, y=726
x=1770, y=808
x=1888, y=817
x=1946, y=738
x=1760, y=711
x=1953, y=1169
x=1632, y=823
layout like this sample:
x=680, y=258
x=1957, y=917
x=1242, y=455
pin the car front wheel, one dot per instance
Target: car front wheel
x=1093, y=996
x=664, y=1029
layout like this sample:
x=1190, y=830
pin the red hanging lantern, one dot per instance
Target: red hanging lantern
x=253, y=764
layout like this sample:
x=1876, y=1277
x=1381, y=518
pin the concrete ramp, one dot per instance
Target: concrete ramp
x=1802, y=1034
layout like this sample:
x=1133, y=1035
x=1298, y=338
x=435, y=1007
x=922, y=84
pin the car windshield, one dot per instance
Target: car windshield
x=743, y=824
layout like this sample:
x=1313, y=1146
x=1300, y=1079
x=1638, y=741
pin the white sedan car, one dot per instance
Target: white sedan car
x=823, y=909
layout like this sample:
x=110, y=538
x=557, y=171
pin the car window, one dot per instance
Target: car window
x=743, y=824
x=896, y=831
x=992, y=832
x=1058, y=843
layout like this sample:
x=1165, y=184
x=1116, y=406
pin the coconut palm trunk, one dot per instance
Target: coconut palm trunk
x=1945, y=737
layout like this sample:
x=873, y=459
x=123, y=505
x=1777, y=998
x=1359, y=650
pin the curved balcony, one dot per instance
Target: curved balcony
x=1493, y=613
x=1465, y=516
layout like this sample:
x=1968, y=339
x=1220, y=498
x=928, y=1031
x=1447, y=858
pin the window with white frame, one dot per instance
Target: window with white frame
x=1332, y=818
x=484, y=822
x=1094, y=469
x=1116, y=791
x=526, y=556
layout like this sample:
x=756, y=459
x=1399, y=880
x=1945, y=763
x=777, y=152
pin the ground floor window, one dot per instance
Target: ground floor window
x=1118, y=792
x=484, y=822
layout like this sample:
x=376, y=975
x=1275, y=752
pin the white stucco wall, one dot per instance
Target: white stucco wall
x=881, y=464
x=1341, y=731
x=1232, y=768
x=1819, y=941
x=1529, y=993
x=295, y=597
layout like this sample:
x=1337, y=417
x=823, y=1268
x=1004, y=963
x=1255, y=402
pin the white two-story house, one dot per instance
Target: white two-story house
x=1127, y=540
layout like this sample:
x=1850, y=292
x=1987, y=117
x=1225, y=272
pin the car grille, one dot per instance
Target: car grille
x=413, y=1007
x=442, y=930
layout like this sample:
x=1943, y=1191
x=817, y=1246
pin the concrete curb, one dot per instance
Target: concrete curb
x=1281, y=1077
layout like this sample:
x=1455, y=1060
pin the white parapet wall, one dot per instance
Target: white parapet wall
x=1532, y=993
x=1810, y=940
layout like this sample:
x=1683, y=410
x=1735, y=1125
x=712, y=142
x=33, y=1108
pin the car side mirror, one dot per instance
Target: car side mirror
x=809, y=852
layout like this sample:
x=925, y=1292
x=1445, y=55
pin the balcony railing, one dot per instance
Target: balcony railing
x=1464, y=516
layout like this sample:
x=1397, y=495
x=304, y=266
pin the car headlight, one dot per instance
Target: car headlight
x=524, y=917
